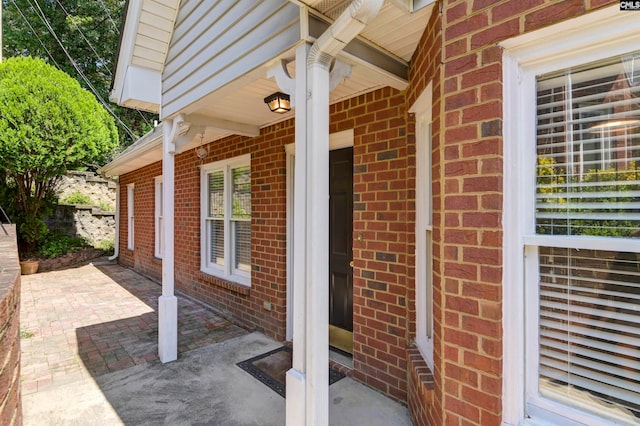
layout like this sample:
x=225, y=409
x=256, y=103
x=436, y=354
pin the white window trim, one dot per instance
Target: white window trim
x=227, y=271
x=597, y=35
x=130, y=216
x=422, y=109
x=158, y=242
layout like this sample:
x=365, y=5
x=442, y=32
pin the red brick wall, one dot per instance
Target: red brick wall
x=268, y=278
x=10, y=400
x=143, y=256
x=470, y=379
x=380, y=190
x=425, y=391
x=380, y=236
x=458, y=53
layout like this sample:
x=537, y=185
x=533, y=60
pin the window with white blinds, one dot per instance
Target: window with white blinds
x=130, y=216
x=588, y=185
x=226, y=212
x=158, y=216
x=588, y=149
x=589, y=322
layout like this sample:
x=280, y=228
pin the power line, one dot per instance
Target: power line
x=100, y=58
x=85, y=38
x=106, y=9
x=35, y=33
x=43, y=17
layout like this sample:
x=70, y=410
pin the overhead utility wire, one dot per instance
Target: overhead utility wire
x=35, y=33
x=102, y=60
x=106, y=9
x=43, y=17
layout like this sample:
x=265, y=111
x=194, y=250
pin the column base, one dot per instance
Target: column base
x=167, y=328
x=296, y=400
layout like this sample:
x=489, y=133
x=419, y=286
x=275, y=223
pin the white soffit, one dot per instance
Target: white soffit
x=143, y=46
x=397, y=29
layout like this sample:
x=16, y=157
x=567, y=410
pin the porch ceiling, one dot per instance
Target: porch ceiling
x=242, y=100
x=378, y=58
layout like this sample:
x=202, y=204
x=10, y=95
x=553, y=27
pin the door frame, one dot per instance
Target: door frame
x=337, y=140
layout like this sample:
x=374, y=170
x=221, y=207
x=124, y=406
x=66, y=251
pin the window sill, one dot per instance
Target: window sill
x=421, y=371
x=227, y=285
x=156, y=260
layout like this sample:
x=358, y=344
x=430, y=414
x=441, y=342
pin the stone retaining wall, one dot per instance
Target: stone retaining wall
x=97, y=188
x=88, y=222
x=10, y=396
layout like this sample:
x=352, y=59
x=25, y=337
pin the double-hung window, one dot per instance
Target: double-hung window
x=226, y=219
x=130, y=217
x=424, y=226
x=159, y=234
x=575, y=212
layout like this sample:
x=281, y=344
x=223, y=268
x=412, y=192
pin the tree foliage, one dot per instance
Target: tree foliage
x=89, y=30
x=48, y=125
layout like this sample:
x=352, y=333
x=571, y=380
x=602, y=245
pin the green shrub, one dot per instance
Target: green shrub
x=106, y=245
x=106, y=207
x=77, y=198
x=55, y=245
x=574, y=199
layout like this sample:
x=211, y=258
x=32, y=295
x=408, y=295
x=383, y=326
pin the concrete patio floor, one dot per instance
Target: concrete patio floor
x=89, y=356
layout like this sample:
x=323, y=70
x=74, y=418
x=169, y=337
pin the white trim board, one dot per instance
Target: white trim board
x=338, y=140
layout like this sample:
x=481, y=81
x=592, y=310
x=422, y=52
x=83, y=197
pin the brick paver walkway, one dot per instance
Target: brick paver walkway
x=91, y=320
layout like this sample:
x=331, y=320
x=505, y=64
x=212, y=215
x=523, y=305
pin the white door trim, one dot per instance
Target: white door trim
x=337, y=140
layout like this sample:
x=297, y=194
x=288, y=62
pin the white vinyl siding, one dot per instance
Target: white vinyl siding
x=226, y=219
x=130, y=216
x=572, y=221
x=237, y=36
x=158, y=216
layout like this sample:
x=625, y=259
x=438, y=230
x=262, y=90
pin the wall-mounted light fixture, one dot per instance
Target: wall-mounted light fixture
x=278, y=102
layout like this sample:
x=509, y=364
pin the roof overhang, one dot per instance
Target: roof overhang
x=145, y=151
x=144, y=43
x=378, y=58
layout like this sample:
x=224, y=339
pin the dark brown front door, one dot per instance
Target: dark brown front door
x=340, y=249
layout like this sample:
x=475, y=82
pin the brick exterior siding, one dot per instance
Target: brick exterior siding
x=468, y=272
x=425, y=391
x=459, y=55
x=10, y=385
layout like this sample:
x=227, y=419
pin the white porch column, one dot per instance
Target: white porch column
x=296, y=376
x=308, y=380
x=317, y=247
x=168, y=303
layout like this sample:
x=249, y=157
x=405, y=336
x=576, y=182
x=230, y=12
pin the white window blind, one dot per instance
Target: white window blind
x=241, y=218
x=130, y=216
x=215, y=218
x=589, y=324
x=226, y=210
x=588, y=184
x=588, y=149
x=159, y=215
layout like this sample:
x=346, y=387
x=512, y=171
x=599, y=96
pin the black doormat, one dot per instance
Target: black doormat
x=271, y=369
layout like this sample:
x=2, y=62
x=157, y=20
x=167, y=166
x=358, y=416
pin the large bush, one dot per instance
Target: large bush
x=48, y=125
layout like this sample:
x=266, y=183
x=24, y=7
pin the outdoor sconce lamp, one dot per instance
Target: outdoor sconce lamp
x=278, y=102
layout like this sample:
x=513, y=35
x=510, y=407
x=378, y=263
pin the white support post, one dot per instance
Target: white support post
x=168, y=303
x=308, y=380
x=317, y=248
x=296, y=376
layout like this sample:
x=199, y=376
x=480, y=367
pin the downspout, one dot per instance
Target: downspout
x=116, y=244
x=311, y=353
